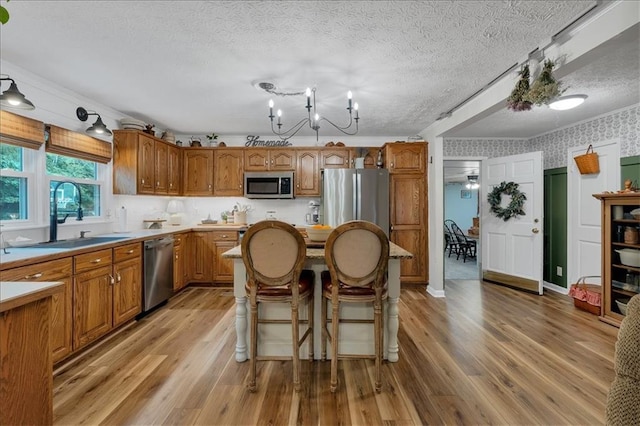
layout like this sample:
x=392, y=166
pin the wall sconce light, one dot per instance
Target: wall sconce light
x=98, y=128
x=13, y=98
x=473, y=182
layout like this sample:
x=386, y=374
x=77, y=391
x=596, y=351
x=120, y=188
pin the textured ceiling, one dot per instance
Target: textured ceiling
x=191, y=66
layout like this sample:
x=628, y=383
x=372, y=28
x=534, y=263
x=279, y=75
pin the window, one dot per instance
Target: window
x=14, y=184
x=86, y=186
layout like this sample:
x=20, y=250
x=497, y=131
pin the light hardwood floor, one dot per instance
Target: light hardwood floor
x=484, y=355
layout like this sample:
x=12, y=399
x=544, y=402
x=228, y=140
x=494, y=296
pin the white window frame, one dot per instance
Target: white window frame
x=29, y=161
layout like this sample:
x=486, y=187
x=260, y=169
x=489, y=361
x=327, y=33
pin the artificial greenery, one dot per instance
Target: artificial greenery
x=517, y=101
x=212, y=137
x=515, y=206
x=546, y=88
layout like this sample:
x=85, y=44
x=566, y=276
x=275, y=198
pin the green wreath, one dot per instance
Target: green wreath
x=515, y=206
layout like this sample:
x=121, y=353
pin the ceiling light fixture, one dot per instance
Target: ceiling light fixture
x=473, y=182
x=13, y=98
x=567, y=102
x=98, y=128
x=314, y=119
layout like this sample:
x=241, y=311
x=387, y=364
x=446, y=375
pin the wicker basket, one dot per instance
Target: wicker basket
x=588, y=162
x=586, y=297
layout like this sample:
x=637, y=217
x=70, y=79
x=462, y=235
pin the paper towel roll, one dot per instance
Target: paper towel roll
x=122, y=220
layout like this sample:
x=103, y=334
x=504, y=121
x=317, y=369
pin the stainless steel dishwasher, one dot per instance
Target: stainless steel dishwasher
x=158, y=272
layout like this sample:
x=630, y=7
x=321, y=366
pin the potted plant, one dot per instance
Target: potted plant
x=213, y=139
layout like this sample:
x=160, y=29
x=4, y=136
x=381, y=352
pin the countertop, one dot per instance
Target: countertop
x=395, y=252
x=16, y=294
x=24, y=256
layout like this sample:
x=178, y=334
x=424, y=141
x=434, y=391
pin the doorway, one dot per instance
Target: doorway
x=462, y=206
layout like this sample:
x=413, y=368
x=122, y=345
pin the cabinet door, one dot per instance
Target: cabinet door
x=406, y=157
x=198, y=171
x=227, y=172
x=408, y=216
x=161, y=167
x=127, y=290
x=336, y=158
x=146, y=164
x=307, y=175
x=61, y=314
x=282, y=159
x=174, y=171
x=223, y=271
x=256, y=160
x=93, y=301
x=178, y=267
x=202, y=257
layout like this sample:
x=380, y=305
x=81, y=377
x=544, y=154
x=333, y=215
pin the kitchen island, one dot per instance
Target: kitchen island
x=355, y=338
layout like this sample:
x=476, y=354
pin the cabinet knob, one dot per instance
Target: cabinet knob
x=209, y=187
x=158, y=184
x=130, y=251
x=535, y=230
x=112, y=279
x=142, y=181
x=98, y=260
x=119, y=277
x=392, y=165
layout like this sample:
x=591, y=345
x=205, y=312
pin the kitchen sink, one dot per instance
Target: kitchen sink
x=80, y=242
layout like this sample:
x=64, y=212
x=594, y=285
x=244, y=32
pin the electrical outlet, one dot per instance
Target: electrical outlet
x=559, y=271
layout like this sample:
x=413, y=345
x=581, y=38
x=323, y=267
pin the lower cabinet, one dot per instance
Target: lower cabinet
x=180, y=268
x=206, y=263
x=107, y=291
x=61, y=310
x=127, y=289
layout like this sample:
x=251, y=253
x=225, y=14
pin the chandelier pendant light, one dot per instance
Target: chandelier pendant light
x=98, y=128
x=313, y=119
x=13, y=98
x=472, y=182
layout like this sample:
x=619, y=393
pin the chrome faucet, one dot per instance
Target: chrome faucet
x=54, y=221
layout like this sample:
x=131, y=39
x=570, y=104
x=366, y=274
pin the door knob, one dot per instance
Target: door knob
x=535, y=230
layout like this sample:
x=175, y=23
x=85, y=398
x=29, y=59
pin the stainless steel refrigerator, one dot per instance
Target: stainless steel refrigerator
x=355, y=194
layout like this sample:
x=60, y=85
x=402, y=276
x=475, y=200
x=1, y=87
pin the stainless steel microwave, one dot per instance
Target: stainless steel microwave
x=268, y=184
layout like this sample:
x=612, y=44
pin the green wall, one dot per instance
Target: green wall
x=630, y=169
x=555, y=226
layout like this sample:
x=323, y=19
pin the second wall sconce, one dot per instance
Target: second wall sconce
x=98, y=128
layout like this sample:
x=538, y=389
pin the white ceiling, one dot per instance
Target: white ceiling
x=191, y=66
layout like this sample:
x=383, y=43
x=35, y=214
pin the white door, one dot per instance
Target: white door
x=512, y=249
x=584, y=229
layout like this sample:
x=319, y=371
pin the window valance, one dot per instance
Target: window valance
x=65, y=142
x=22, y=131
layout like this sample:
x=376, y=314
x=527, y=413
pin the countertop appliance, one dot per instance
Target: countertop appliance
x=355, y=194
x=158, y=272
x=268, y=184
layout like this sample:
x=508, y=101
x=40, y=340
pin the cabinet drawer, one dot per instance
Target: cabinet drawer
x=45, y=271
x=130, y=251
x=95, y=259
x=224, y=235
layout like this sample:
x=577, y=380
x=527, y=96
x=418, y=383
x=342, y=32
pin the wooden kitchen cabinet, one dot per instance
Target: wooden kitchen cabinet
x=93, y=296
x=408, y=201
x=620, y=282
x=228, y=166
x=201, y=256
x=223, y=267
x=406, y=157
x=337, y=158
x=197, y=171
x=141, y=164
x=174, y=169
x=180, y=242
x=307, y=174
x=61, y=309
x=262, y=160
x=127, y=289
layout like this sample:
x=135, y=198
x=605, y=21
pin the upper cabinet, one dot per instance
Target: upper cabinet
x=337, y=158
x=197, y=176
x=307, y=173
x=141, y=164
x=228, y=172
x=260, y=159
x=404, y=157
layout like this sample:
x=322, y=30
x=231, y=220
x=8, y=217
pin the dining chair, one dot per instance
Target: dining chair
x=273, y=253
x=450, y=240
x=466, y=246
x=357, y=255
